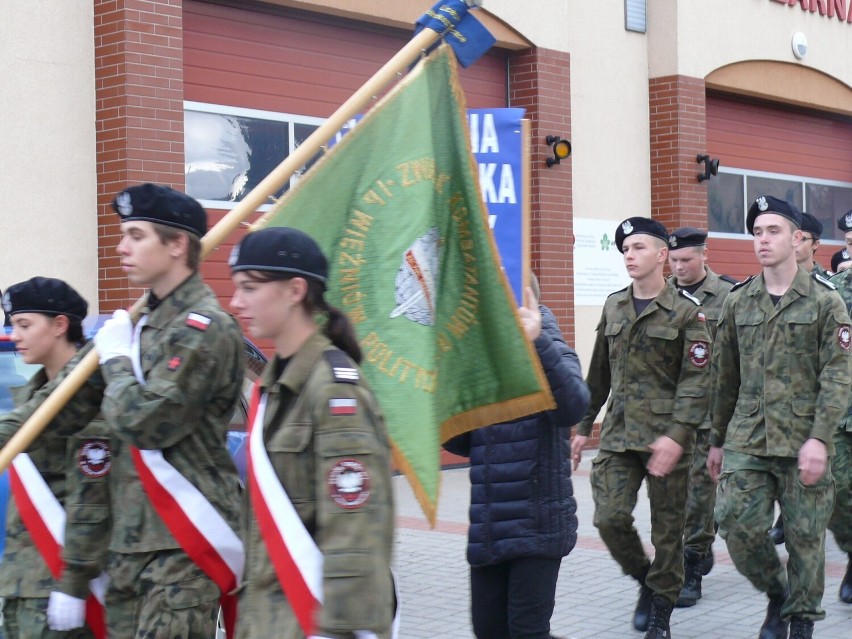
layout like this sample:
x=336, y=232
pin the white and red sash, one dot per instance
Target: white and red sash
x=297, y=559
x=201, y=531
x=44, y=518
x=295, y=556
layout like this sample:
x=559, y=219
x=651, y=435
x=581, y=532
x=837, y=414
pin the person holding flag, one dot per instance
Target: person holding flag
x=167, y=387
x=65, y=478
x=319, y=531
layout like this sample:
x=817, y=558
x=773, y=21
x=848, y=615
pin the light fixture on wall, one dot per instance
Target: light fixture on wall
x=711, y=167
x=561, y=149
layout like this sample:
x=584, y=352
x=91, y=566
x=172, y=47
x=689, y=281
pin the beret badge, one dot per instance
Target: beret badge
x=124, y=204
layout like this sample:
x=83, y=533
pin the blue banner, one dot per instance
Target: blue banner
x=468, y=38
x=495, y=136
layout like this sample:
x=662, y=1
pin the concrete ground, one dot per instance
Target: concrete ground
x=593, y=599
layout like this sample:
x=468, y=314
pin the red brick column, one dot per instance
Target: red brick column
x=539, y=81
x=139, y=129
x=678, y=135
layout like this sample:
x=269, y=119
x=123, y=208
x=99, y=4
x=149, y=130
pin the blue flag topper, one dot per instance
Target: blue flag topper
x=464, y=33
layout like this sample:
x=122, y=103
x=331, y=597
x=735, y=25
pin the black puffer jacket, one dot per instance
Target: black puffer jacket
x=522, y=499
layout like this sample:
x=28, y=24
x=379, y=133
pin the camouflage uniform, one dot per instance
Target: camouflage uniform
x=819, y=270
x=80, y=485
x=841, y=464
x=306, y=444
x=657, y=368
x=700, y=529
x=782, y=375
x=193, y=376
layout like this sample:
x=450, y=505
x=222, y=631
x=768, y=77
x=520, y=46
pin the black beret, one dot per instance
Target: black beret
x=639, y=226
x=44, y=295
x=161, y=205
x=769, y=204
x=841, y=256
x=687, y=236
x=811, y=225
x=280, y=249
x=844, y=222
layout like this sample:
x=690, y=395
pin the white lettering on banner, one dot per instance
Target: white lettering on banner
x=491, y=192
x=483, y=135
x=492, y=221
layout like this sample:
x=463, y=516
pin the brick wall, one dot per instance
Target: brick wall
x=678, y=135
x=139, y=94
x=539, y=81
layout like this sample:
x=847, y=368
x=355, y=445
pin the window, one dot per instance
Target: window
x=634, y=15
x=229, y=150
x=731, y=193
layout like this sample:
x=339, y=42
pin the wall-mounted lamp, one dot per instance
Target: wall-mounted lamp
x=711, y=167
x=561, y=149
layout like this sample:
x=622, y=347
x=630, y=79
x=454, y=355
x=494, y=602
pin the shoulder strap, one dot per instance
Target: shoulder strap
x=341, y=366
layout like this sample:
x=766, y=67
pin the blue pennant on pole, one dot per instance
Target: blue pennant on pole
x=464, y=33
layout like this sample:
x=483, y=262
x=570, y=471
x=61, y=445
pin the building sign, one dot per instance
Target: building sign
x=840, y=9
x=598, y=266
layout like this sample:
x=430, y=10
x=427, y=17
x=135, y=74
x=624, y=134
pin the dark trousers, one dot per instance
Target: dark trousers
x=514, y=599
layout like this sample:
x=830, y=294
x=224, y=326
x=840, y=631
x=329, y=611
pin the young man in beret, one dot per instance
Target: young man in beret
x=167, y=387
x=651, y=359
x=688, y=263
x=781, y=380
x=806, y=250
x=841, y=464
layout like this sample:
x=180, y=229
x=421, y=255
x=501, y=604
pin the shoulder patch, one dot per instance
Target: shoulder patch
x=198, y=321
x=743, y=283
x=689, y=296
x=819, y=278
x=617, y=292
x=728, y=279
x=341, y=367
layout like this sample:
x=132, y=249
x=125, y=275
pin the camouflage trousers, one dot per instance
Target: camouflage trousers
x=699, y=531
x=749, y=486
x=26, y=618
x=841, y=466
x=159, y=595
x=616, y=479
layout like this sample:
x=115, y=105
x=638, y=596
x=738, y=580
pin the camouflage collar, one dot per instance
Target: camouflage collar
x=300, y=366
x=187, y=294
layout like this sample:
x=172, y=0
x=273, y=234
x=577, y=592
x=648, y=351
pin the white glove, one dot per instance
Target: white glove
x=65, y=612
x=115, y=336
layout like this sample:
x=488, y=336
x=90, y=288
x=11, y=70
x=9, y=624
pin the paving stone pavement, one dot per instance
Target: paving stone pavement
x=593, y=599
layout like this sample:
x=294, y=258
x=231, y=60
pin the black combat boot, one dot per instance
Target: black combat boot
x=705, y=564
x=642, y=615
x=801, y=628
x=774, y=627
x=658, y=626
x=691, y=591
x=846, y=584
x=777, y=531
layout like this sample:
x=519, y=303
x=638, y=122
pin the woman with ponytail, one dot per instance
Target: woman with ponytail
x=318, y=532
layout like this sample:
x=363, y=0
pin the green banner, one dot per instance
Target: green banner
x=396, y=207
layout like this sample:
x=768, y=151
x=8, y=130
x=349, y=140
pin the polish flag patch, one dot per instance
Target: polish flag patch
x=702, y=317
x=342, y=406
x=198, y=321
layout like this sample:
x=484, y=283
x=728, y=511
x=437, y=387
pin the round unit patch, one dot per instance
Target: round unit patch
x=844, y=337
x=699, y=354
x=95, y=458
x=349, y=484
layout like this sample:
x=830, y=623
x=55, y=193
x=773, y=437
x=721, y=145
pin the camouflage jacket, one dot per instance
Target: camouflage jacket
x=75, y=469
x=654, y=368
x=782, y=372
x=843, y=282
x=192, y=360
x=819, y=270
x=711, y=294
x=314, y=446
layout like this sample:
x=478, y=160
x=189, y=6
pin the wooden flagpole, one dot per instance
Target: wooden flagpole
x=258, y=196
